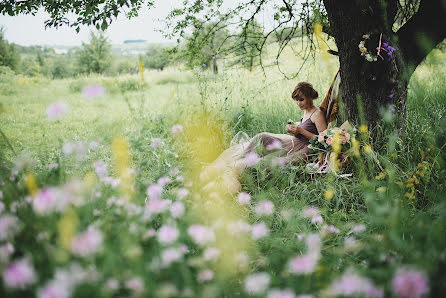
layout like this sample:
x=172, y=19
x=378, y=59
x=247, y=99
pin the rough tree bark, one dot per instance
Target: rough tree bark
x=382, y=83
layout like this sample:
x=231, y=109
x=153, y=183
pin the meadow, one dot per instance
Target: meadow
x=101, y=196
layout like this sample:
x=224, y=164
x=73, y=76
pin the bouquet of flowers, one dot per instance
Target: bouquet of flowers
x=333, y=145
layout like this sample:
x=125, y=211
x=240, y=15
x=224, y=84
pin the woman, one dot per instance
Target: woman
x=285, y=148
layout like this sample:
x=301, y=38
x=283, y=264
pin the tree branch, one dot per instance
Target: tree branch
x=423, y=31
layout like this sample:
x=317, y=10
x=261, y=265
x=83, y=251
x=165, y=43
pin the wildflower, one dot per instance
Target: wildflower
x=77, y=149
x=310, y=211
x=2, y=207
x=329, y=141
x=329, y=194
x=201, y=234
x=93, y=91
x=278, y=161
x=19, y=274
x=332, y=229
x=9, y=226
x=257, y=283
x=274, y=145
x=205, y=275
x=177, y=128
x=135, y=284
x=149, y=234
x=101, y=169
x=45, y=201
x=170, y=255
x=363, y=128
x=265, y=207
x=317, y=219
x=163, y=181
x=367, y=149
x=53, y=166
x=352, y=285
x=277, y=293
x=211, y=254
x=409, y=283
x=112, y=284
x=167, y=234
x=239, y=227
x=53, y=290
x=304, y=264
x=251, y=159
x=177, y=209
x=182, y=193
x=56, y=111
x=359, y=228
x=94, y=145
x=313, y=242
x=391, y=95
x=156, y=142
x=259, y=230
x=244, y=198
x=154, y=191
x=87, y=243
x=6, y=251
x=156, y=206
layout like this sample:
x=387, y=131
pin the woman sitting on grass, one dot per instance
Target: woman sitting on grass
x=282, y=148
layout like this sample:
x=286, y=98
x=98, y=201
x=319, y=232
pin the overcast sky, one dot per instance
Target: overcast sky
x=30, y=30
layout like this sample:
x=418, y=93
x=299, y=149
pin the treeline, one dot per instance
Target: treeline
x=200, y=49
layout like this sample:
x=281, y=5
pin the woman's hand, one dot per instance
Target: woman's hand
x=293, y=129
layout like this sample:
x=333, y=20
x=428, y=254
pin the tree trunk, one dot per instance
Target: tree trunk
x=366, y=87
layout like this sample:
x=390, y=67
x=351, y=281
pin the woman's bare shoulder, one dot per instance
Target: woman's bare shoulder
x=318, y=114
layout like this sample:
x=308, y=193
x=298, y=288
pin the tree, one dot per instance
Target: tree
x=8, y=53
x=94, y=57
x=412, y=28
x=248, y=45
x=156, y=57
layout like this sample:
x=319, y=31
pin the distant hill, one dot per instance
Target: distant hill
x=135, y=41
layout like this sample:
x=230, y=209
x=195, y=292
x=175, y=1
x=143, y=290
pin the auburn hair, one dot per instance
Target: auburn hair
x=304, y=89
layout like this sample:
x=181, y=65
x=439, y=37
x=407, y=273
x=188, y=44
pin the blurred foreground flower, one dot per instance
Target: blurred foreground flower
x=9, y=226
x=56, y=111
x=19, y=274
x=201, y=234
x=265, y=207
x=277, y=293
x=409, y=283
x=244, y=198
x=251, y=159
x=353, y=285
x=87, y=243
x=177, y=128
x=93, y=91
x=257, y=283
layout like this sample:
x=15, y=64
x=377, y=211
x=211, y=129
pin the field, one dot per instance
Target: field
x=101, y=193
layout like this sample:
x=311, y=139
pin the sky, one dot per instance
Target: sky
x=29, y=30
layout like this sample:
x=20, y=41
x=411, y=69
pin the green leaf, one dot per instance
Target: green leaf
x=104, y=25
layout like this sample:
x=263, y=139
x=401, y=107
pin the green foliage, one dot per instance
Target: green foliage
x=94, y=57
x=7, y=78
x=157, y=57
x=249, y=44
x=9, y=55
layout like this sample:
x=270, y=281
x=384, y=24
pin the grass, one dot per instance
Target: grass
x=399, y=233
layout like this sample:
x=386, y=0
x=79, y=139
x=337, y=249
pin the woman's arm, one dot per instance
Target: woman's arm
x=318, y=119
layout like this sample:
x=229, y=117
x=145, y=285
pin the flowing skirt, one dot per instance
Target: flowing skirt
x=274, y=149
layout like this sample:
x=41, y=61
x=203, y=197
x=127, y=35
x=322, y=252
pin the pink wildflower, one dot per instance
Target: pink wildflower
x=53, y=166
x=112, y=284
x=177, y=209
x=317, y=219
x=19, y=274
x=6, y=251
x=251, y=159
x=56, y=111
x=277, y=293
x=45, y=201
x=310, y=211
x=359, y=228
x=279, y=161
x=329, y=141
x=167, y=234
x=100, y=168
x=265, y=207
x=54, y=290
x=320, y=138
x=274, y=145
x=201, y=234
x=135, y=284
x=149, y=234
x=239, y=227
x=211, y=254
x=87, y=243
x=304, y=264
x=244, y=198
x=409, y=283
x=259, y=230
x=9, y=226
x=163, y=181
x=171, y=255
x=174, y=172
x=205, y=275
x=352, y=285
x=177, y=128
x=92, y=91
x=156, y=142
x=257, y=283
x=154, y=191
x=333, y=229
x=156, y=206
x=182, y=193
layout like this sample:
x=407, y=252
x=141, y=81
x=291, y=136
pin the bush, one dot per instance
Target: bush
x=7, y=78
